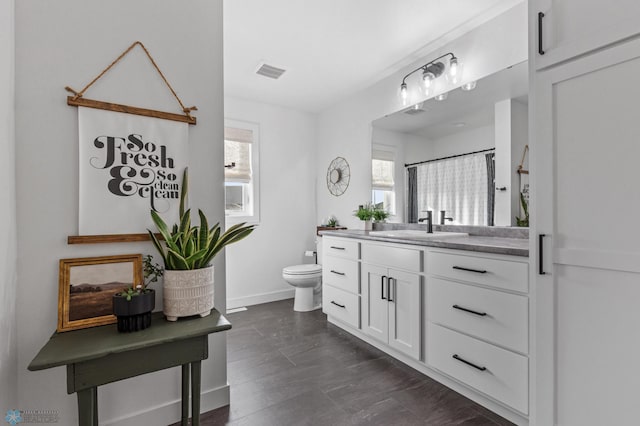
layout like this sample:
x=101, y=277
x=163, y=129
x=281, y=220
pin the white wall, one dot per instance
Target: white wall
x=287, y=204
x=8, y=349
x=345, y=129
x=462, y=142
x=68, y=42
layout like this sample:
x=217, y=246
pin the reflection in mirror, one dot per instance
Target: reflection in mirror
x=458, y=157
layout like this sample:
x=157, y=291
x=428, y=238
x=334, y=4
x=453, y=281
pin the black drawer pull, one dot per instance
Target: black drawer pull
x=541, y=254
x=455, y=356
x=482, y=314
x=338, y=305
x=540, y=49
x=338, y=248
x=337, y=273
x=479, y=271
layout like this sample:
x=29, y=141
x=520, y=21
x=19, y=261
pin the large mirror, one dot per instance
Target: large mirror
x=464, y=155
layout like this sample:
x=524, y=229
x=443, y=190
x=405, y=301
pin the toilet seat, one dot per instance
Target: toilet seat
x=308, y=269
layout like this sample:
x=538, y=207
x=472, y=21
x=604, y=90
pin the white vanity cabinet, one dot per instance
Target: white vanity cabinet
x=391, y=307
x=391, y=295
x=341, y=279
x=461, y=317
x=478, y=322
x=562, y=30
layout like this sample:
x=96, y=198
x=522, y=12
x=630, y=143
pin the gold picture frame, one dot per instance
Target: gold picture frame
x=87, y=285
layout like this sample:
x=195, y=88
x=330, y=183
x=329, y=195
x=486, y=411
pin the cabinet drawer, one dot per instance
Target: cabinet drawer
x=341, y=273
x=505, y=274
x=491, y=315
x=505, y=374
x=340, y=247
x=341, y=305
x=393, y=257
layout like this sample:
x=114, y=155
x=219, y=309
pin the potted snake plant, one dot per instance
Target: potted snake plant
x=187, y=252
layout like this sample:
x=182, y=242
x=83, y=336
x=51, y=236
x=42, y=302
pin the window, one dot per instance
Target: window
x=382, y=181
x=241, y=178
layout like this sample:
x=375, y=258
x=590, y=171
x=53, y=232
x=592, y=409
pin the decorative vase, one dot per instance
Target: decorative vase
x=368, y=225
x=134, y=314
x=188, y=292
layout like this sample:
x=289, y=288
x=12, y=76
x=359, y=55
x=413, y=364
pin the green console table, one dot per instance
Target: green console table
x=100, y=355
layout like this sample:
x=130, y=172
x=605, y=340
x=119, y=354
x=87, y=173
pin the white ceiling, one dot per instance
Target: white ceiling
x=334, y=48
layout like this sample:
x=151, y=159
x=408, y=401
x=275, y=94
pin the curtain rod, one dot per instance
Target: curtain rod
x=451, y=156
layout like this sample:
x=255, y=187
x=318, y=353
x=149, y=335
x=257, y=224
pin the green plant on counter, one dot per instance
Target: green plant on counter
x=332, y=222
x=365, y=212
x=189, y=247
x=525, y=209
x=380, y=214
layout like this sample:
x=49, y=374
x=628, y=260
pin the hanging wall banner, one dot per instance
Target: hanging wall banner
x=129, y=164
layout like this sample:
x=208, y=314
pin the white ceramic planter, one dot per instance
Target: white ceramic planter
x=188, y=293
x=368, y=225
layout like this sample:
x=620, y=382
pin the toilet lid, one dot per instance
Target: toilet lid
x=302, y=269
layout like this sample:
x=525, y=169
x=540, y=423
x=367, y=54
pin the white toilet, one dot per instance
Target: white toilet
x=307, y=279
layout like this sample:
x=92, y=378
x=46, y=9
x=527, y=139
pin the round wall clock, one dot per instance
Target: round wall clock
x=338, y=175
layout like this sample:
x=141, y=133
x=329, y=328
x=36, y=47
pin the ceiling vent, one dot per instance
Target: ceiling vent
x=269, y=71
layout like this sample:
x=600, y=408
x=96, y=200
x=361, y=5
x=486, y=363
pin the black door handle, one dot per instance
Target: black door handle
x=481, y=314
x=479, y=271
x=541, y=254
x=337, y=248
x=455, y=356
x=337, y=273
x=337, y=304
x=389, y=290
x=540, y=16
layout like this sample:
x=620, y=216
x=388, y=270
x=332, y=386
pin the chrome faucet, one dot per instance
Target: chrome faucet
x=443, y=217
x=429, y=220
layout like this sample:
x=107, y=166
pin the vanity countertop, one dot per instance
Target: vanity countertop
x=486, y=244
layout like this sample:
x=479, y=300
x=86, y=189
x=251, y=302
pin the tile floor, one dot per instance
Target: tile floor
x=290, y=368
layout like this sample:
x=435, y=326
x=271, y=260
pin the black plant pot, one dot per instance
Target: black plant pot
x=134, y=314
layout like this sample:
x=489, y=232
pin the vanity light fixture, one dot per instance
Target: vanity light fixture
x=431, y=71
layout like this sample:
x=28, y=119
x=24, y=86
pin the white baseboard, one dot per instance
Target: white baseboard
x=169, y=412
x=257, y=299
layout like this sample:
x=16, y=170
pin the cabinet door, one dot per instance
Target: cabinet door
x=585, y=164
x=404, y=312
x=574, y=27
x=375, y=315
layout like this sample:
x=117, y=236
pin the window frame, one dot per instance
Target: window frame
x=253, y=187
x=393, y=153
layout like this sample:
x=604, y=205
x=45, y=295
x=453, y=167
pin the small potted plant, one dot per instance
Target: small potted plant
x=365, y=213
x=133, y=306
x=380, y=214
x=187, y=252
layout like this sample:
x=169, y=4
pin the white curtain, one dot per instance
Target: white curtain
x=458, y=186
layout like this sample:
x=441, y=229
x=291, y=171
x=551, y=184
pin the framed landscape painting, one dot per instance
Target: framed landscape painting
x=87, y=286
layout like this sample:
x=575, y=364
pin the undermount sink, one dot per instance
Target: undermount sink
x=416, y=233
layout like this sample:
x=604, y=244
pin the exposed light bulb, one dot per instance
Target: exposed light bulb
x=469, y=86
x=454, y=75
x=441, y=96
x=403, y=93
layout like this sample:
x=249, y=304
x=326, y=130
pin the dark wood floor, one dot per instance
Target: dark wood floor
x=291, y=368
